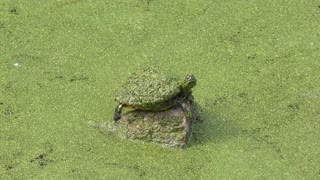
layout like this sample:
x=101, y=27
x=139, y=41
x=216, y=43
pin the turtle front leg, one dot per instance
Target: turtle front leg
x=182, y=103
x=117, y=112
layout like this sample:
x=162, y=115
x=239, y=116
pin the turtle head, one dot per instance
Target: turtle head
x=189, y=82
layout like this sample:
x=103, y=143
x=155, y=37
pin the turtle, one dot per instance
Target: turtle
x=151, y=89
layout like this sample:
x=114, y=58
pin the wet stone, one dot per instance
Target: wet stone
x=169, y=128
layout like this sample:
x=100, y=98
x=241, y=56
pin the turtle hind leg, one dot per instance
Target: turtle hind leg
x=117, y=112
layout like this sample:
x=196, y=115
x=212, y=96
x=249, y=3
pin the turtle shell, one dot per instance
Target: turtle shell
x=147, y=89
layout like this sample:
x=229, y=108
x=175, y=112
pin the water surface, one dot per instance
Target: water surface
x=257, y=65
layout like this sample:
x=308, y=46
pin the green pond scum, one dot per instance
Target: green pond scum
x=257, y=65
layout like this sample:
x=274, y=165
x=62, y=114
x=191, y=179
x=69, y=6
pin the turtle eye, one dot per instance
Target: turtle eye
x=190, y=80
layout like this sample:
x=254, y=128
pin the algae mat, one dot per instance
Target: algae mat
x=257, y=64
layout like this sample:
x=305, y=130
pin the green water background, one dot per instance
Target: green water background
x=258, y=69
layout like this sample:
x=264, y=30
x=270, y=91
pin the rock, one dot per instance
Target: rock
x=169, y=128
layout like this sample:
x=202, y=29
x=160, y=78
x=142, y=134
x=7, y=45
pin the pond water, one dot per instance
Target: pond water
x=257, y=65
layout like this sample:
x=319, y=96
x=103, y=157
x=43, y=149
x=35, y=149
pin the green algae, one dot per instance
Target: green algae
x=148, y=88
x=257, y=64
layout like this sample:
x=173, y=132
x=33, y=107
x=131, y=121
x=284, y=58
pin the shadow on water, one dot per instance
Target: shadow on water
x=210, y=127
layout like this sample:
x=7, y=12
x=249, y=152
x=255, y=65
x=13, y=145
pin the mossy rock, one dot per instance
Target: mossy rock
x=169, y=128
